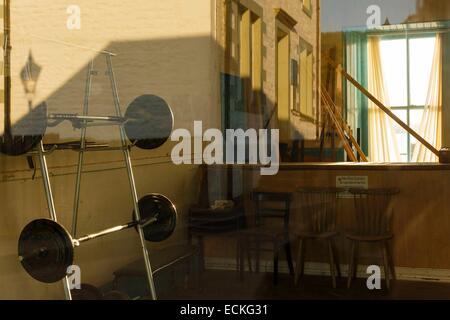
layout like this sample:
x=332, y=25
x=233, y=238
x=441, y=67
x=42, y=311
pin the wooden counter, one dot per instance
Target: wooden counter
x=421, y=211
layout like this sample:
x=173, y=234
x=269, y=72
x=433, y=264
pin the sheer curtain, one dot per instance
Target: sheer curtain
x=382, y=139
x=431, y=124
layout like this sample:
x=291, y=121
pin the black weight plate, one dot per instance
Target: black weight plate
x=149, y=122
x=25, y=133
x=18, y=145
x=159, y=207
x=87, y=292
x=45, y=250
x=116, y=295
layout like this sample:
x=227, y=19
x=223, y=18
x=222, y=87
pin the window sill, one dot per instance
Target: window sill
x=365, y=166
x=369, y=166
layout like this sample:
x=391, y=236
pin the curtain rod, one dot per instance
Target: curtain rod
x=409, y=32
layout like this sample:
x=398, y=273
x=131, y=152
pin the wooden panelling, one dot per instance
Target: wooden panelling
x=421, y=212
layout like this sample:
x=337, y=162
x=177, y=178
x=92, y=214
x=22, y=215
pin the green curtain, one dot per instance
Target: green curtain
x=356, y=104
x=446, y=91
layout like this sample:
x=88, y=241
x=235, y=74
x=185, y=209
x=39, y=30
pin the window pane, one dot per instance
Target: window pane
x=309, y=79
x=421, y=52
x=401, y=134
x=306, y=79
x=303, y=81
x=393, y=60
x=415, y=120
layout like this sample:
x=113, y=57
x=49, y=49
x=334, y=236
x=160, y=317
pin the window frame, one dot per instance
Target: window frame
x=409, y=107
x=244, y=47
x=305, y=45
x=307, y=8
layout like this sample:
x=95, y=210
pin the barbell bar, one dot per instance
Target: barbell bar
x=148, y=124
x=46, y=248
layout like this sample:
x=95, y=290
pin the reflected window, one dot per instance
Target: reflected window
x=407, y=63
x=306, y=79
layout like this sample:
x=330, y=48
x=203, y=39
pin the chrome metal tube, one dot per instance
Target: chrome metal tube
x=104, y=232
x=84, y=117
x=51, y=204
x=113, y=230
x=76, y=201
x=131, y=180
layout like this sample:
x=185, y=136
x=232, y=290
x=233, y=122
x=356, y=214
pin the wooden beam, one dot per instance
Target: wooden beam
x=383, y=107
x=344, y=125
x=340, y=131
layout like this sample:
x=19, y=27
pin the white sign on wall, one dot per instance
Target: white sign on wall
x=351, y=182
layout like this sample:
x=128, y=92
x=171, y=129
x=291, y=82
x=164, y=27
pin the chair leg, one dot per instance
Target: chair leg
x=188, y=272
x=202, y=254
x=302, y=270
x=299, y=262
x=275, y=262
x=242, y=249
x=115, y=283
x=336, y=258
x=287, y=248
x=200, y=272
x=249, y=260
x=331, y=260
x=355, y=260
x=257, y=256
x=386, y=265
x=391, y=260
x=351, y=265
x=238, y=257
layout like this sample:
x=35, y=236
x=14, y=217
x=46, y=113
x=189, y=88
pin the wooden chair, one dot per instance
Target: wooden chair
x=317, y=215
x=373, y=216
x=270, y=208
x=206, y=222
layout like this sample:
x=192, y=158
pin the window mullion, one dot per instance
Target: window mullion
x=408, y=85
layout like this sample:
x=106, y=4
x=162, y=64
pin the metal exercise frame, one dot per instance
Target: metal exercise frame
x=42, y=153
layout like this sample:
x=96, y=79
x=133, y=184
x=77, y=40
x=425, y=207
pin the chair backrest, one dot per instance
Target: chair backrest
x=373, y=210
x=270, y=205
x=215, y=184
x=318, y=208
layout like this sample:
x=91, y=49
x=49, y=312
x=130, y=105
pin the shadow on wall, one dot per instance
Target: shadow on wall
x=184, y=73
x=181, y=71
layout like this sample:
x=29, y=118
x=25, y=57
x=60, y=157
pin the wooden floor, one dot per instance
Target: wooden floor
x=224, y=285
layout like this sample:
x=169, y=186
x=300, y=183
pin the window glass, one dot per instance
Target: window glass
x=306, y=79
x=420, y=62
x=394, y=64
x=401, y=134
x=407, y=93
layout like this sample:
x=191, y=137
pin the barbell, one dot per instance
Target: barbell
x=148, y=123
x=46, y=248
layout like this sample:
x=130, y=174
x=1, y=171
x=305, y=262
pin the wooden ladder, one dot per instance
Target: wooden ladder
x=342, y=128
